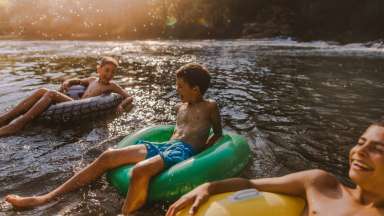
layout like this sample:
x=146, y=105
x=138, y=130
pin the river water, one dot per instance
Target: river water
x=300, y=105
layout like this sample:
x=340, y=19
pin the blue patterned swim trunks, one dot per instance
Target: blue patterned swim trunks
x=172, y=152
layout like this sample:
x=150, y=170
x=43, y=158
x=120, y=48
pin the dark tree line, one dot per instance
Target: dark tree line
x=343, y=20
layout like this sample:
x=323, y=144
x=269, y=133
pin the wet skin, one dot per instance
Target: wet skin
x=195, y=117
x=323, y=193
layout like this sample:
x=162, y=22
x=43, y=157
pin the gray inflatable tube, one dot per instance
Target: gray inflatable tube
x=77, y=110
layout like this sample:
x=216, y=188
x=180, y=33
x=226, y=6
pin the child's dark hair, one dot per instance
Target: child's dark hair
x=107, y=60
x=379, y=123
x=195, y=75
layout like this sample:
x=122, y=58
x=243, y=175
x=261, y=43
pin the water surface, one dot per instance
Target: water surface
x=300, y=105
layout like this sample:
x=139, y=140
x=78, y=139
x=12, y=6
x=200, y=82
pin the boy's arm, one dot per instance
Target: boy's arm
x=293, y=184
x=216, y=125
x=177, y=107
x=127, y=98
x=70, y=82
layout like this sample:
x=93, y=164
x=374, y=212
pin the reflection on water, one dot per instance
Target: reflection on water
x=300, y=105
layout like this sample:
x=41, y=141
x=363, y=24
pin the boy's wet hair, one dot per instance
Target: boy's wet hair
x=195, y=75
x=107, y=60
x=379, y=123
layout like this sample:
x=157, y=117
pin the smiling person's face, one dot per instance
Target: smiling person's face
x=366, y=159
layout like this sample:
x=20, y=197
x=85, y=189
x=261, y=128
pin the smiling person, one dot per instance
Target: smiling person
x=31, y=107
x=323, y=192
x=195, y=117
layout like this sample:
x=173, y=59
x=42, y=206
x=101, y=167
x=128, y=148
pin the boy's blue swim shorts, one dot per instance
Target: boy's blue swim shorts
x=172, y=152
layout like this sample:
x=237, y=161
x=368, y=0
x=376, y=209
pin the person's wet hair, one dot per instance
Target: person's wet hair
x=108, y=60
x=195, y=75
x=379, y=123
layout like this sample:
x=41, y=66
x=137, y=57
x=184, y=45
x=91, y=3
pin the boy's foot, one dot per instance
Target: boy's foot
x=25, y=202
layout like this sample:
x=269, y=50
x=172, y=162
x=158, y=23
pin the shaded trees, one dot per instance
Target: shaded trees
x=344, y=20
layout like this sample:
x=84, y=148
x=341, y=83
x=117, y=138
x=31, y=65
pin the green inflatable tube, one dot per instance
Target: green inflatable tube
x=225, y=159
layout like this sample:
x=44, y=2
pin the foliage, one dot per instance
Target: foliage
x=122, y=19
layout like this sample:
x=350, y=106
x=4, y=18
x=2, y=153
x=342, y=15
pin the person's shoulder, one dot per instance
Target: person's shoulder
x=321, y=178
x=211, y=104
x=114, y=85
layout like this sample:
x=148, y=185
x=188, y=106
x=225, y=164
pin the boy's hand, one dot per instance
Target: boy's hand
x=64, y=87
x=195, y=197
x=119, y=109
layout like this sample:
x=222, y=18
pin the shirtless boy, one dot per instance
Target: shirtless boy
x=31, y=107
x=195, y=117
x=323, y=193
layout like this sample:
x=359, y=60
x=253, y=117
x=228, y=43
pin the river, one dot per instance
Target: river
x=300, y=106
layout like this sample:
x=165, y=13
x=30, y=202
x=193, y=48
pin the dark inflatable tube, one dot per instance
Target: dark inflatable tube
x=77, y=110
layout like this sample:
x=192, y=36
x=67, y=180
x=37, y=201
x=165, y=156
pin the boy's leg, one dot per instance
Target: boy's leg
x=110, y=159
x=22, y=107
x=138, y=188
x=34, y=111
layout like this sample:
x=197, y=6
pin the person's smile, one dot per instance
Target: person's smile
x=360, y=165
